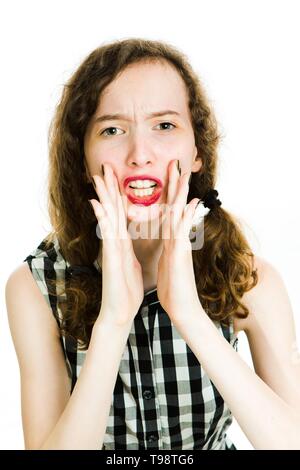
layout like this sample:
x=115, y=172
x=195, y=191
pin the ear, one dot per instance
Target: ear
x=197, y=162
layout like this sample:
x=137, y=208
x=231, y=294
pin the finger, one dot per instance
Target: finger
x=102, y=193
x=166, y=214
x=173, y=178
x=108, y=179
x=105, y=190
x=120, y=200
x=98, y=210
x=100, y=216
x=115, y=211
x=121, y=212
x=188, y=216
x=181, y=197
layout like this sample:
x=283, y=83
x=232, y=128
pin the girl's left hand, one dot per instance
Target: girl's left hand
x=176, y=286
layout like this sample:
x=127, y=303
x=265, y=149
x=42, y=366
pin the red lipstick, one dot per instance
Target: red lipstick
x=144, y=200
x=142, y=177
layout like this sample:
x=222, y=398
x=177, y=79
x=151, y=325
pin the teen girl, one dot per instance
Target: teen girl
x=130, y=342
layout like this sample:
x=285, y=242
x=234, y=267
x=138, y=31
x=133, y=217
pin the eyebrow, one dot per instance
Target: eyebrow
x=123, y=117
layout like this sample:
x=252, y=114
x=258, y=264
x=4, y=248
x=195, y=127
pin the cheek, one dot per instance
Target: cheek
x=99, y=152
x=95, y=157
x=177, y=148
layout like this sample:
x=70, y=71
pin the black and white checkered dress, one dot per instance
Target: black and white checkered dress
x=163, y=399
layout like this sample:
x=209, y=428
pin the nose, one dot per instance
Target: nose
x=140, y=153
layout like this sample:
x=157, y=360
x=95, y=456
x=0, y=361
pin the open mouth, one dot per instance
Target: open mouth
x=141, y=192
x=144, y=196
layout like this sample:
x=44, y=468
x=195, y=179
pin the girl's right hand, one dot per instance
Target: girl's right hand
x=122, y=280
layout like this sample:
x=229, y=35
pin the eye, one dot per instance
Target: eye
x=108, y=128
x=168, y=123
x=111, y=135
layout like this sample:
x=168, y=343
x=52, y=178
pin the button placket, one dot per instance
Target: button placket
x=147, y=394
x=152, y=438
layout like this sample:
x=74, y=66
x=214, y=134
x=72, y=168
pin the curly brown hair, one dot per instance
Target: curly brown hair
x=223, y=266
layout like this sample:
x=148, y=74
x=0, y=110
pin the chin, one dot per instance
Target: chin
x=141, y=213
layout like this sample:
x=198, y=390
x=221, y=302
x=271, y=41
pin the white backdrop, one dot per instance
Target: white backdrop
x=247, y=54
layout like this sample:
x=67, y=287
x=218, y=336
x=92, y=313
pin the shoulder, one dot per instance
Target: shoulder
x=25, y=302
x=20, y=279
x=21, y=275
x=33, y=285
x=269, y=288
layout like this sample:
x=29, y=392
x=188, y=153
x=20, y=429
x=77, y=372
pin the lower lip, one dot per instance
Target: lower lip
x=146, y=200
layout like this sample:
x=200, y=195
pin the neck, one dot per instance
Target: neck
x=147, y=251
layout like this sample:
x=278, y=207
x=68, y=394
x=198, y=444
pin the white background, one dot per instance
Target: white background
x=247, y=55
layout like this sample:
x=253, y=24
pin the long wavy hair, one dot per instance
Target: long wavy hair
x=224, y=265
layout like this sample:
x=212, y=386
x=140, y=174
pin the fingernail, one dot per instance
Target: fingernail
x=178, y=167
x=90, y=203
x=102, y=169
x=93, y=181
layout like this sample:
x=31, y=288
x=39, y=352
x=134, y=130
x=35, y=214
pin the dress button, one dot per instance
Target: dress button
x=147, y=394
x=152, y=438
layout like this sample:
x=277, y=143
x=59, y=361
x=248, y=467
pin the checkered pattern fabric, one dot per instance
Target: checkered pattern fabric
x=163, y=399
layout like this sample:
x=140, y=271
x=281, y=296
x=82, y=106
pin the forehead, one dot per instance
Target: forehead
x=146, y=87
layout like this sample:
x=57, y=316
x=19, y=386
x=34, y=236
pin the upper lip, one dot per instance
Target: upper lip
x=142, y=177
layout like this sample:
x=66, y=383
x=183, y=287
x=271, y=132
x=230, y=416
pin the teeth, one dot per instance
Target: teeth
x=142, y=183
x=143, y=192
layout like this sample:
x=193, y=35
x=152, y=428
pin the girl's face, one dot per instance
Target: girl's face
x=138, y=143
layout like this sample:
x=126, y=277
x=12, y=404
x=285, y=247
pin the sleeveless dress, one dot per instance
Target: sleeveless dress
x=163, y=398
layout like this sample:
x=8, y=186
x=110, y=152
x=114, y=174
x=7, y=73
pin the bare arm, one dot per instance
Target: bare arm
x=266, y=419
x=266, y=403
x=52, y=419
x=82, y=424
